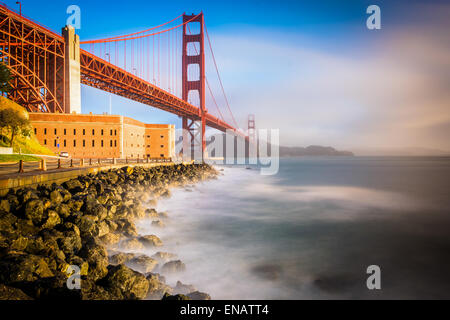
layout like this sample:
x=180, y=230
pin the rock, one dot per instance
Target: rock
x=74, y=186
x=7, y=221
x=99, y=211
x=166, y=194
x=132, y=244
x=121, y=258
x=80, y=263
x=10, y=293
x=70, y=243
x=142, y=264
x=112, y=225
x=131, y=284
x=87, y=225
x=164, y=256
x=174, y=266
x=97, y=257
x=26, y=194
x=51, y=288
x=55, y=197
x=52, y=220
x=102, y=229
x=23, y=267
x=127, y=227
x=34, y=211
x=199, y=296
x=164, y=214
x=158, y=223
x=63, y=210
x=151, y=213
x=45, y=230
x=110, y=239
x=75, y=205
x=181, y=288
x=4, y=206
x=151, y=241
x=178, y=297
x=157, y=287
x=25, y=227
x=98, y=293
x=20, y=244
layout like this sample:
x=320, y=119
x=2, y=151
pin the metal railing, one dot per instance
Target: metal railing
x=58, y=164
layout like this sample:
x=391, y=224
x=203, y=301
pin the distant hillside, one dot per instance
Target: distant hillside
x=312, y=151
x=398, y=152
x=26, y=145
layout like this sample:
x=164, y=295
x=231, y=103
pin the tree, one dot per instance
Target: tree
x=5, y=78
x=15, y=122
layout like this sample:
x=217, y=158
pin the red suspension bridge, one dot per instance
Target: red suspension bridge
x=163, y=67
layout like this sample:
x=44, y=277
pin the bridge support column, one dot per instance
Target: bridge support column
x=194, y=141
x=72, y=70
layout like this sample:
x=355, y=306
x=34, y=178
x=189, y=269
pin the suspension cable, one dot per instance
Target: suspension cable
x=220, y=80
x=133, y=34
x=139, y=37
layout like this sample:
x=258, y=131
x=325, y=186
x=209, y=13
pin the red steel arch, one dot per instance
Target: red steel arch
x=36, y=57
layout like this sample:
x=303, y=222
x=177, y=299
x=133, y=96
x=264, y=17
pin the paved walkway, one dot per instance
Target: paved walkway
x=35, y=177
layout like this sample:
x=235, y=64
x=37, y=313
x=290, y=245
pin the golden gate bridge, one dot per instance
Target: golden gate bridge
x=143, y=66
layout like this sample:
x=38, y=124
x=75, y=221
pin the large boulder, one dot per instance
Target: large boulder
x=127, y=227
x=34, y=211
x=157, y=287
x=110, y=239
x=97, y=257
x=56, y=197
x=174, y=266
x=50, y=288
x=23, y=267
x=151, y=241
x=132, y=244
x=121, y=258
x=182, y=288
x=197, y=295
x=164, y=256
x=131, y=284
x=158, y=223
x=7, y=221
x=87, y=225
x=52, y=220
x=4, y=206
x=178, y=297
x=143, y=264
x=10, y=293
x=74, y=186
x=70, y=243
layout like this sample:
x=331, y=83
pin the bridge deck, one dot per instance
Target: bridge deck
x=100, y=74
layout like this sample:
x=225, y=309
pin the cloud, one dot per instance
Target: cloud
x=392, y=92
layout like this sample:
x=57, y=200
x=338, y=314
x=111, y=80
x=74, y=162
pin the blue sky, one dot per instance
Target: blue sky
x=310, y=68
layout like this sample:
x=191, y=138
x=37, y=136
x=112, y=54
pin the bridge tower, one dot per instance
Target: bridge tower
x=194, y=128
x=251, y=128
x=252, y=140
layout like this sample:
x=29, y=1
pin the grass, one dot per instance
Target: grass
x=27, y=145
x=16, y=158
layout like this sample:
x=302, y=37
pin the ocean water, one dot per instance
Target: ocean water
x=311, y=231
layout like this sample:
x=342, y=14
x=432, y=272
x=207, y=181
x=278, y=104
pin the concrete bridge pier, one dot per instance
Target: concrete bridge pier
x=72, y=67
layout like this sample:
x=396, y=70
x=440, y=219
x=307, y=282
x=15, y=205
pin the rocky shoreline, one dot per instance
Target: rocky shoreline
x=85, y=228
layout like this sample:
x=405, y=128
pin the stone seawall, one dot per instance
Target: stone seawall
x=33, y=179
x=88, y=224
